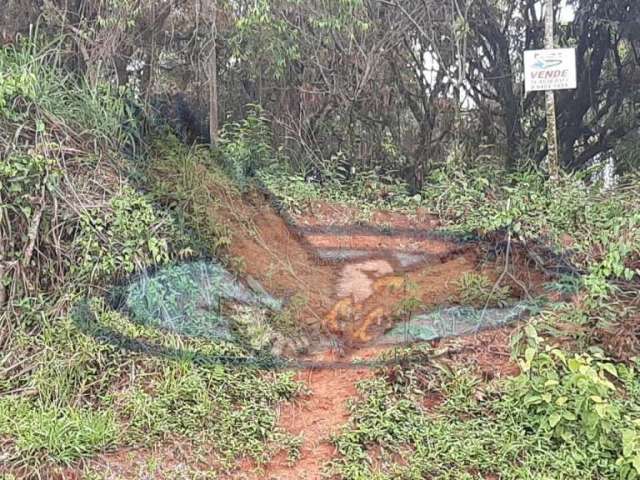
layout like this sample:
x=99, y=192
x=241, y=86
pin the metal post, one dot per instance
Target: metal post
x=552, y=135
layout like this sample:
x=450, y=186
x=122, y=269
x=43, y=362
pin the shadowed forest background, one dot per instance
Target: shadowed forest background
x=399, y=86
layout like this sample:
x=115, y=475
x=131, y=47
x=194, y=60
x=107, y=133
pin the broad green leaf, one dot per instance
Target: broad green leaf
x=554, y=419
x=610, y=368
x=529, y=354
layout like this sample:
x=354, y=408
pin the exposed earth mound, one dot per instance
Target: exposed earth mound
x=353, y=278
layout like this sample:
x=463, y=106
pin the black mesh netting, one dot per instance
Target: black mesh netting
x=199, y=299
x=202, y=301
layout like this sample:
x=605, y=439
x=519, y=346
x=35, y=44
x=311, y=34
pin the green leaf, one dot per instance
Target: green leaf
x=610, y=368
x=573, y=364
x=628, y=442
x=529, y=354
x=554, y=419
x=530, y=331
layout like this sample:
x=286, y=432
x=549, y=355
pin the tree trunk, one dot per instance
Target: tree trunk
x=213, y=79
x=512, y=129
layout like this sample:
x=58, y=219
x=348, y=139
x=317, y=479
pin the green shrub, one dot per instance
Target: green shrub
x=582, y=401
x=602, y=228
x=246, y=146
x=125, y=238
x=564, y=417
x=186, y=181
x=56, y=130
x=570, y=398
x=367, y=190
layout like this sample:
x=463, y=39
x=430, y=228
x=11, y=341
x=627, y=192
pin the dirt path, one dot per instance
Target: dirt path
x=315, y=417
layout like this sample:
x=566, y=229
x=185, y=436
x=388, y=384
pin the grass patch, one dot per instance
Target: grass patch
x=188, y=183
x=40, y=434
x=564, y=417
x=88, y=396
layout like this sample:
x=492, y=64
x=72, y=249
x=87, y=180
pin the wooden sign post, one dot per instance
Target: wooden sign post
x=552, y=133
x=549, y=70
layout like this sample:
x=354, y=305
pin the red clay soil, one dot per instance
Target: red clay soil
x=322, y=413
x=488, y=353
x=267, y=250
x=379, y=242
x=273, y=253
x=358, y=299
x=315, y=417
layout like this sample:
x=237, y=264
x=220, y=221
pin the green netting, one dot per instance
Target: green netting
x=203, y=300
x=197, y=299
x=453, y=321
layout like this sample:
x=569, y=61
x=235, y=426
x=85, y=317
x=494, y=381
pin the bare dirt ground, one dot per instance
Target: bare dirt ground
x=355, y=292
x=354, y=274
x=315, y=416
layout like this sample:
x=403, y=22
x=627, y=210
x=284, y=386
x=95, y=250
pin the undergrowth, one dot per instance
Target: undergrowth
x=597, y=228
x=72, y=223
x=477, y=290
x=572, y=227
x=68, y=215
x=564, y=417
x=189, y=184
x=86, y=394
x=368, y=191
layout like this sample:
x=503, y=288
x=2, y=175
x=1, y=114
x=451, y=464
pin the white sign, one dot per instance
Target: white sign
x=550, y=69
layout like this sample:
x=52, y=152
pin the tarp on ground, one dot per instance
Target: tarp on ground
x=453, y=321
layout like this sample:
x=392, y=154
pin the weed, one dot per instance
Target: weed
x=185, y=181
x=121, y=240
x=477, y=290
x=238, y=265
x=286, y=320
x=62, y=435
x=88, y=396
x=602, y=230
x=246, y=146
x=367, y=191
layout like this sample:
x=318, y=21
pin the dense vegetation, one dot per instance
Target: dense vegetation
x=565, y=416
x=72, y=224
x=397, y=85
x=97, y=184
